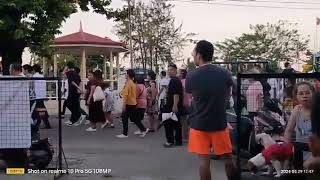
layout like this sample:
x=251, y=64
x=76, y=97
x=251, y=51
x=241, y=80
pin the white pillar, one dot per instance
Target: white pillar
x=55, y=65
x=44, y=66
x=111, y=69
x=105, y=66
x=83, y=69
x=118, y=68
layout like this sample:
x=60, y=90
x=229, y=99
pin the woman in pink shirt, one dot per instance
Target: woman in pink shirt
x=254, y=95
x=141, y=105
x=186, y=105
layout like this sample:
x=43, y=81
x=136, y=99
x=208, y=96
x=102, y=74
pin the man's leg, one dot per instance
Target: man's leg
x=74, y=107
x=200, y=143
x=230, y=168
x=204, y=169
x=169, y=129
x=64, y=107
x=178, y=132
x=222, y=146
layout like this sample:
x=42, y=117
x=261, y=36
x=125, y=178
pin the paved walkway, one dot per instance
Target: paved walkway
x=134, y=158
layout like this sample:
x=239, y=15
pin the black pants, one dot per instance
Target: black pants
x=73, y=104
x=298, y=154
x=140, y=114
x=44, y=113
x=173, y=131
x=131, y=113
x=64, y=107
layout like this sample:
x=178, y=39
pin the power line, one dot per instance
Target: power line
x=243, y=5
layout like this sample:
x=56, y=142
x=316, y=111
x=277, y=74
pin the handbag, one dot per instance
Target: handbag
x=98, y=94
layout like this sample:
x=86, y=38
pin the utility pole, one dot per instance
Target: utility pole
x=130, y=34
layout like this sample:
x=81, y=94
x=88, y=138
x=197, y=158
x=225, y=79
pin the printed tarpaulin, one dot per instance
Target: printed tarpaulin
x=15, y=115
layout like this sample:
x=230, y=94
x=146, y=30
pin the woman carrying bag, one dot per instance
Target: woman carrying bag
x=94, y=102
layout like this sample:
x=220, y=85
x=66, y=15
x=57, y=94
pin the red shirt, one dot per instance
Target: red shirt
x=280, y=152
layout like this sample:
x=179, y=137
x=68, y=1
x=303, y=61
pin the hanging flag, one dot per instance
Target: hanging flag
x=318, y=21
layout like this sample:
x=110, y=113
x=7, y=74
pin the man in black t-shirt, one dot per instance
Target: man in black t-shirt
x=174, y=103
x=210, y=87
x=73, y=100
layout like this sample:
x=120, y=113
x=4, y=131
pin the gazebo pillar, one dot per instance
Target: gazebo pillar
x=55, y=65
x=105, y=66
x=83, y=69
x=111, y=70
x=118, y=68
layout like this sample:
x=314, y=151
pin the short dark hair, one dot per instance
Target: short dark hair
x=140, y=80
x=286, y=64
x=315, y=115
x=183, y=73
x=27, y=67
x=205, y=49
x=70, y=65
x=77, y=70
x=152, y=75
x=163, y=73
x=131, y=73
x=37, y=68
x=172, y=65
x=16, y=67
x=97, y=74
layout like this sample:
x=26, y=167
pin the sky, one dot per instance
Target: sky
x=213, y=22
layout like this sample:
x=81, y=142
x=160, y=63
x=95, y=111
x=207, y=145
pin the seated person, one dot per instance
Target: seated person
x=276, y=154
x=314, y=140
x=300, y=123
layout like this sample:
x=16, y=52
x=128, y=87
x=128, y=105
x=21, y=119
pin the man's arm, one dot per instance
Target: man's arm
x=177, y=90
x=176, y=99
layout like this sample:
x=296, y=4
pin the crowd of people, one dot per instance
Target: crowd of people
x=191, y=106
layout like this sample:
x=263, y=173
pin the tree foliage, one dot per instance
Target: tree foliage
x=34, y=23
x=272, y=42
x=155, y=37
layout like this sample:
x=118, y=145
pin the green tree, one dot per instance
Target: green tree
x=33, y=23
x=271, y=42
x=155, y=37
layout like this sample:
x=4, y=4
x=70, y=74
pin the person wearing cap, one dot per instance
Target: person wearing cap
x=173, y=104
x=210, y=87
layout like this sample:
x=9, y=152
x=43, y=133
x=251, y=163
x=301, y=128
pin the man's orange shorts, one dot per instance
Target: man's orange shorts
x=201, y=142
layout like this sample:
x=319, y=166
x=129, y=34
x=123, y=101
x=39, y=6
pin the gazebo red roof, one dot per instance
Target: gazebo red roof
x=85, y=38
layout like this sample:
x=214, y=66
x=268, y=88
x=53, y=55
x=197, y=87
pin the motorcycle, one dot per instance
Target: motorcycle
x=38, y=156
x=269, y=120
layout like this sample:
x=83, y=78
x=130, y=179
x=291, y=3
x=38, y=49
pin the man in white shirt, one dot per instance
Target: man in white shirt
x=163, y=85
x=40, y=110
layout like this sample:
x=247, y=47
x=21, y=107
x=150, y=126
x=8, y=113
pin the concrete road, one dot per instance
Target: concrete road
x=134, y=158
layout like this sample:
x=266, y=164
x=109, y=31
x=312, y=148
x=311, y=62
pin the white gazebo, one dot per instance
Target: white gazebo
x=83, y=44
